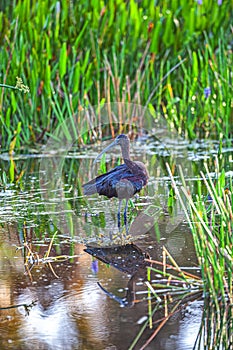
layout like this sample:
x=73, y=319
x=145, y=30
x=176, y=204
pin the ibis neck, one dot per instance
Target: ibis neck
x=125, y=151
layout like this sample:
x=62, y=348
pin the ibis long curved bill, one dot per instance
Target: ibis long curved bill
x=106, y=149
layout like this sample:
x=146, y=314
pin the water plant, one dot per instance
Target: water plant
x=167, y=294
x=73, y=55
x=211, y=226
x=210, y=220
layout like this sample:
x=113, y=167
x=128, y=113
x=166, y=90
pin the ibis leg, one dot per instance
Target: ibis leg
x=125, y=215
x=119, y=215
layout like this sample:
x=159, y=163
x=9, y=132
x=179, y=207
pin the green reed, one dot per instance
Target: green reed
x=216, y=327
x=210, y=220
x=78, y=54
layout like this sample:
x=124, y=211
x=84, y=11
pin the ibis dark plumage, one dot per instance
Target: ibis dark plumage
x=123, y=181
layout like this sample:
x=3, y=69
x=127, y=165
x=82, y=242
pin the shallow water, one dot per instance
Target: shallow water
x=72, y=312
x=65, y=307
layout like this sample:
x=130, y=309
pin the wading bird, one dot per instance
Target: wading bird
x=123, y=181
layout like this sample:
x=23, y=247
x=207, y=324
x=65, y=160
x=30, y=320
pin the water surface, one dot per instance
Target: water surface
x=62, y=305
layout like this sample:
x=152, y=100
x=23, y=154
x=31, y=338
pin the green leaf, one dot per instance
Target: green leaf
x=195, y=65
x=12, y=170
x=156, y=37
x=63, y=61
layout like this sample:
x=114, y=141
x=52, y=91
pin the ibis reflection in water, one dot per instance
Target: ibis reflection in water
x=123, y=181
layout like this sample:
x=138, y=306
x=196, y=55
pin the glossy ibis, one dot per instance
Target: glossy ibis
x=123, y=181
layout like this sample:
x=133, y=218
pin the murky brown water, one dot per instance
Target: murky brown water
x=71, y=311
x=65, y=307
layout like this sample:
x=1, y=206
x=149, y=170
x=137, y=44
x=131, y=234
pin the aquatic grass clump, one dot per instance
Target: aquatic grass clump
x=79, y=54
x=216, y=327
x=211, y=222
x=32, y=257
x=169, y=289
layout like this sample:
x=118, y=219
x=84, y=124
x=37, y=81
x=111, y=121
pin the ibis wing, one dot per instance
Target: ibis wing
x=106, y=184
x=94, y=186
